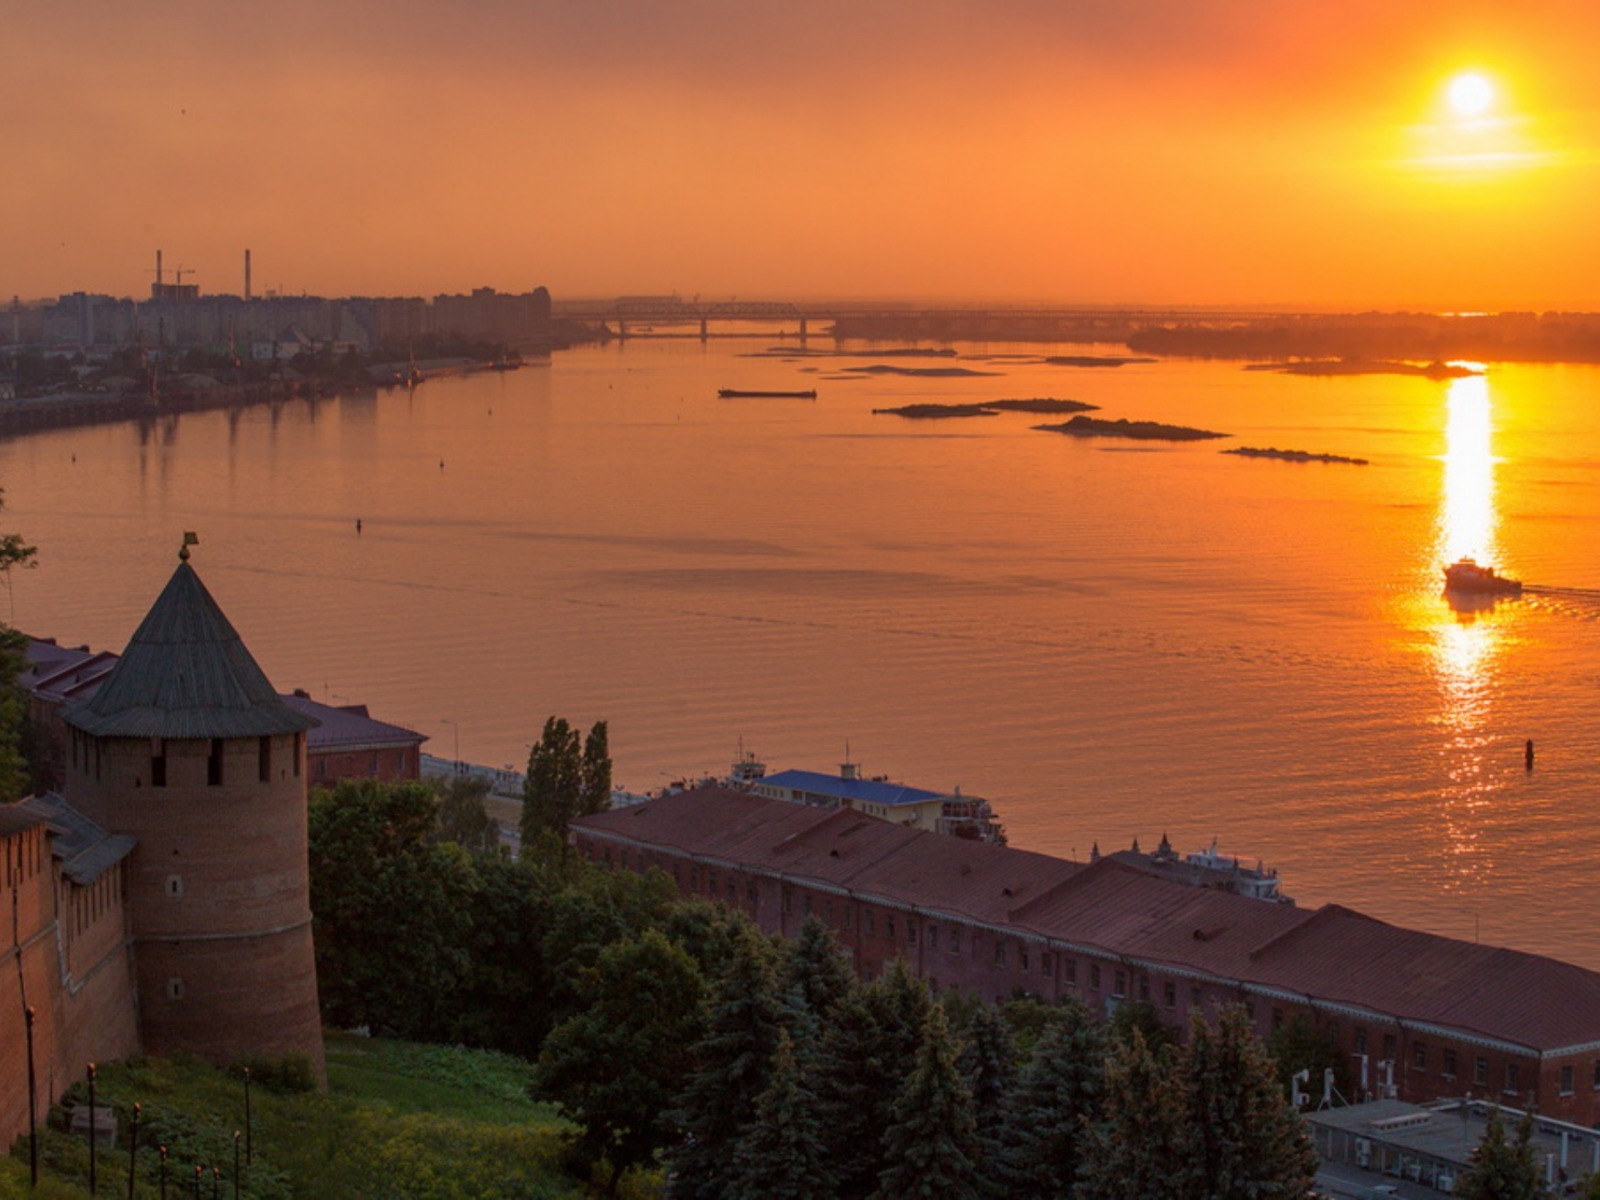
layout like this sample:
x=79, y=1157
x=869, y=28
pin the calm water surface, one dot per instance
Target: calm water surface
x=1107, y=639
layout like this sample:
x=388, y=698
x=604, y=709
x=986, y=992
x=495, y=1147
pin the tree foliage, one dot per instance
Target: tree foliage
x=987, y=1064
x=1205, y=1122
x=931, y=1149
x=864, y=1055
x=733, y=1066
x=566, y=778
x=464, y=815
x=14, y=779
x=615, y=1066
x=1298, y=1045
x=1249, y=1141
x=418, y=937
x=1502, y=1168
x=1140, y=1140
x=782, y=1154
x=390, y=907
x=1048, y=1112
x=816, y=971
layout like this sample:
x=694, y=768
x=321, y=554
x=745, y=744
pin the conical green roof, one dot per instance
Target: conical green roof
x=186, y=674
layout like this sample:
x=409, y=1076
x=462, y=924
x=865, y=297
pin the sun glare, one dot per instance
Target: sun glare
x=1471, y=94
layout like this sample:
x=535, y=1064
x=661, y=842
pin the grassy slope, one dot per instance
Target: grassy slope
x=399, y=1121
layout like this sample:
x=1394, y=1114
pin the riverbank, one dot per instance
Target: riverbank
x=60, y=410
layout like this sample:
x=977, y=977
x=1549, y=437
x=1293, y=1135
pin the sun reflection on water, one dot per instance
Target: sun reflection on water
x=1465, y=649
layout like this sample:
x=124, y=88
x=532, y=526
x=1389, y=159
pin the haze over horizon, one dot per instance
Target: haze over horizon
x=1235, y=153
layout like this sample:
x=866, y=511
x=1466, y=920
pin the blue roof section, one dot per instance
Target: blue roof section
x=870, y=791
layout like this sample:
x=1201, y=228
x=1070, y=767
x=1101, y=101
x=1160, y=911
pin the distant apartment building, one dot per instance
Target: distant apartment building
x=493, y=316
x=177, y=315
x=1418, y=1016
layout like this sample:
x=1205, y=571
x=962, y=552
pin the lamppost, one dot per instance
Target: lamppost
x=457, y=728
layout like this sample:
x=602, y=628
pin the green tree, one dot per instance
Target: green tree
x=15, y=728
x=733, y=1066
x=706, y=931
x=615, y=1067
x=817, y=971
x=504, y=999
x=987, y=1064
x=1143, y=1016
x=865, y=1054
x=593, y=908
x=1298, y=1045
x=390, y=908
x=1503, y=1169
x=782, y=1154
x=1138, y=1148
x=1247, y=1141
x=14, y=779
x=464, y=815
x=551, y=787
x=594, y=772
x=931, y=1150
x=1052, y=1105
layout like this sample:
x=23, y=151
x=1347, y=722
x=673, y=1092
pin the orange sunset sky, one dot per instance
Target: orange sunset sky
x=1240, y=152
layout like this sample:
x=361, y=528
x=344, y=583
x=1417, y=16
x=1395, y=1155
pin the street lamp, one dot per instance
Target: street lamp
x=455, y=726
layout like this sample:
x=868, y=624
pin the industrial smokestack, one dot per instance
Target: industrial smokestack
x=247, y=274
x=158, y=268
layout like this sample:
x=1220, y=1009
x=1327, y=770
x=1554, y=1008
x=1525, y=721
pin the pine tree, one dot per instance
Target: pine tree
x=931, y=1152
x=865, y=1053
x=733, y=1066
x=1251, y=1142
x=856, y=1083
x=1138, y=1149
x=901, y=1003
x=1501, y=1169
x=818, y=971
x=782, y=1155
x=986, y=1063
x=1057, y=1095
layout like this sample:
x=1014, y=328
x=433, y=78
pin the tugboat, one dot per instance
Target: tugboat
x=1467, y=575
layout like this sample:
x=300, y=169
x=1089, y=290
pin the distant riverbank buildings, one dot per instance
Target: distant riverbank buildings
x=1415, y=1016
x=269, y=326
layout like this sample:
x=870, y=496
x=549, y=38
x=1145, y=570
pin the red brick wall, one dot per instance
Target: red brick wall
x=67, y=958
x=391, y=765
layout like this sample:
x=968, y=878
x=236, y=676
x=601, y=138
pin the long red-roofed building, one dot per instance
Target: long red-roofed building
x=1447, y=1017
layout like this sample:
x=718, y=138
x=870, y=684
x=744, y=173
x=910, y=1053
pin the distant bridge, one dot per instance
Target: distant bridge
x=638, y=316
x=643, y=313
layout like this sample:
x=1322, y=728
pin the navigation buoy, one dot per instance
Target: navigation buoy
x=1527, y=754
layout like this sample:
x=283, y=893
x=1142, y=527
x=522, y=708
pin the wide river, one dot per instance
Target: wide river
x=1107, y=639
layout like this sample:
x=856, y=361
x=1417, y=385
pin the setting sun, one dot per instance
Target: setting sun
x=1471, y=94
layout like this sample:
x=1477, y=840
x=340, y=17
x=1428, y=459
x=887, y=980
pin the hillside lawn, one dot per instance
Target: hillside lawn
x=399, y=1121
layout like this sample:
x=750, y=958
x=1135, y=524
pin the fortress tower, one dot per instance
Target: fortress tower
x=187, y=748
